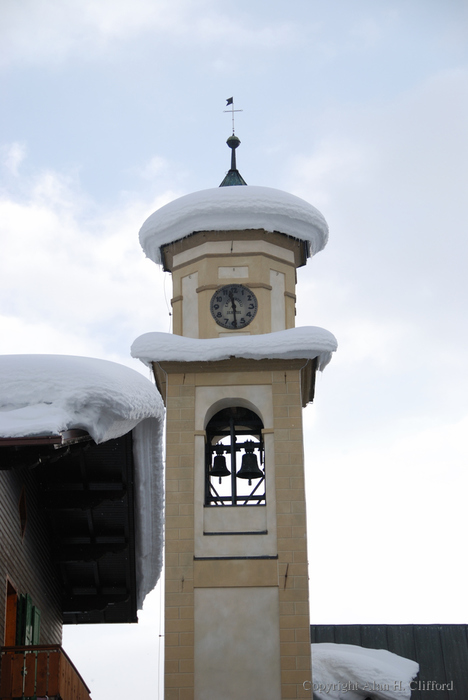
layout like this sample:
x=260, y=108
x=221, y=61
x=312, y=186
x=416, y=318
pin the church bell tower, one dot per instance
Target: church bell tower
x=235, y=376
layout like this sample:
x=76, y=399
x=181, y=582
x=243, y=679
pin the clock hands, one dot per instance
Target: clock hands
x=231, y=297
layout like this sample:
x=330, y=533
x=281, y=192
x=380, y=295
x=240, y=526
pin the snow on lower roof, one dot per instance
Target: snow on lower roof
x=234, y=209
x=307, y=342
x=352, y=672
x=48, y=394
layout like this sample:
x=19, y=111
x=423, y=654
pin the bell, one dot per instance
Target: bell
x=249, y=468
x=219, y=467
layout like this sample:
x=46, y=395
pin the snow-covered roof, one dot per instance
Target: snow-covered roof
x=234, y=209
x=48, y=394
x=295, y=343
x=353, y=672
x=44, y=395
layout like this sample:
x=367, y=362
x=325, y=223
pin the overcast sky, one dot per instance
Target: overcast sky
x=112, y=108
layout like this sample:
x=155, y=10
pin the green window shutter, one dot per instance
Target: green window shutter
x=28, y=621
x=36, y=625
x=20, y=612
x=24, y=620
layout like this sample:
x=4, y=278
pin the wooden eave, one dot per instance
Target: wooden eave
x=67, y=437
x=86, y=493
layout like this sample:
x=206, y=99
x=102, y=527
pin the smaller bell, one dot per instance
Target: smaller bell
x=249, y=468
x=219, y=467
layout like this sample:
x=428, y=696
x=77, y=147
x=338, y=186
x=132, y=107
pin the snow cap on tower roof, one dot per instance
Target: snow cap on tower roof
x=234, y=209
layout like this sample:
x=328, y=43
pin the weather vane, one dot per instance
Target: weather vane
x=230, y=101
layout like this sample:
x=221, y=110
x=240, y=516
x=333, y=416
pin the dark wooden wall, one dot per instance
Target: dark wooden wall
x=26, y=561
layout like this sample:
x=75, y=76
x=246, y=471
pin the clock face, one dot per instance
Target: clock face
x=233, y=306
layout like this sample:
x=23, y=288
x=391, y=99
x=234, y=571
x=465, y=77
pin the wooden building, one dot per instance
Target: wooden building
x=71, y=538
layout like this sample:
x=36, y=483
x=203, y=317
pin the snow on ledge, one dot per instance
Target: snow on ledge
x=47, y=394
x=234, y=209
x=307, y=342
x=352, y=672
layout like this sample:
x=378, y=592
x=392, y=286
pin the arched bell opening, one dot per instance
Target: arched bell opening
x=235, y=463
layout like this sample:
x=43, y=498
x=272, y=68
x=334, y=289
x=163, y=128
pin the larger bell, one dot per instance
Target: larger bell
x=249, y=468
x=219, y=468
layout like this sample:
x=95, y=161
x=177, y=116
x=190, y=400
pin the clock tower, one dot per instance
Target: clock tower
x=234, y=377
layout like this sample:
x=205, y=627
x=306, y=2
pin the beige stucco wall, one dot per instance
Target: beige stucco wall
x=237, y=644
x=267, y=268
x=189, y=285
x=194, y=578
x=292, y=535
x=278, y=300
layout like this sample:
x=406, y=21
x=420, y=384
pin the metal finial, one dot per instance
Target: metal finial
x=230, y=101
x=233, y=142
x=233, y=177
